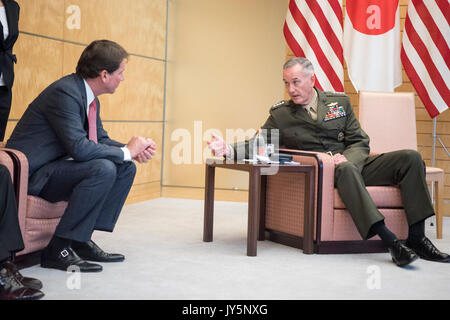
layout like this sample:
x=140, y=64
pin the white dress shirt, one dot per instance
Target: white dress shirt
x=90, y=97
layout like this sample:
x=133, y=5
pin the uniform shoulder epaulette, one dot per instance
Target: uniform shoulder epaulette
x=335, y=93
x=279, y=104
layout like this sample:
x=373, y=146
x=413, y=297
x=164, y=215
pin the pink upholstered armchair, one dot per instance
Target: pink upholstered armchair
x=389, y=118
x=334, y=230
x=37, y=218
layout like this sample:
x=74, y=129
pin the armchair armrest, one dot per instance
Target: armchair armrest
x=6, y=160
x=20, y=180
x=325, y=186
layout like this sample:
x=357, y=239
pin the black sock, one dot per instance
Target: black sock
x=77, y=244
x=416, y=231
x=384, y=233
x=58, y=243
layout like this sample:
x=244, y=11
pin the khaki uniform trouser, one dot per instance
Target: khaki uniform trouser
x=404, y=168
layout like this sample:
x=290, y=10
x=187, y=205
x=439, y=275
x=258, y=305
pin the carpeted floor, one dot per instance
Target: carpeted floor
x=167, y=259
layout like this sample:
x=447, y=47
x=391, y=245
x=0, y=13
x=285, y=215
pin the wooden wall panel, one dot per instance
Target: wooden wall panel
x=424, y=122
x=139, y=97
x=123, y=131
x=42, y=17
x=39, y=63
x=48, y=48
x=145, y=191
x=139, y=26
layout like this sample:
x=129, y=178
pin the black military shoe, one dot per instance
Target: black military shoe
x=12, y=289
x=66, y=258
x=401, y=254
x=92, y=252
x=426, y=250
x=26, y=281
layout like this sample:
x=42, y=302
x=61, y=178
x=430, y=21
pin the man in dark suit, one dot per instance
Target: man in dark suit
x=9, y=31
x=72, y=158
x=13, y=286
x=325, y=122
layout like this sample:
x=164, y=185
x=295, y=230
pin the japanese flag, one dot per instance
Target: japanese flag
x=372, y=44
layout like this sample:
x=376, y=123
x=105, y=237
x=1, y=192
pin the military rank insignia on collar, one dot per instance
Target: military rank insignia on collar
x=334, y=111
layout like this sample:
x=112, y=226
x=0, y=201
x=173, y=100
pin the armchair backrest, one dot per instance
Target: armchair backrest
x=389, y=119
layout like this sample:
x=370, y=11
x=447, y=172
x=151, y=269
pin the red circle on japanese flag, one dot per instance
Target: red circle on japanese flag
x=372, y=17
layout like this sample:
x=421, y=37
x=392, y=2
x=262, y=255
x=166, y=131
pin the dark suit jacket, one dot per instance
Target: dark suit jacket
x=7, y=58
x=55, y=127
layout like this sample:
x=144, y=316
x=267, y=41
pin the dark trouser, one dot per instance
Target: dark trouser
x=404, y=168
x=95, y=190
x=5, y=107
x=10, y=236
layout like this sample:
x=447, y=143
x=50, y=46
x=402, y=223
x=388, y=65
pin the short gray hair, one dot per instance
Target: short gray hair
x=303, y=62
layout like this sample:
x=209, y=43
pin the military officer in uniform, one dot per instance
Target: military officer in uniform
x=320, y=121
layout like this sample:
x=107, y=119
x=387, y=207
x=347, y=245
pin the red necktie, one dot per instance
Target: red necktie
x=92, y=118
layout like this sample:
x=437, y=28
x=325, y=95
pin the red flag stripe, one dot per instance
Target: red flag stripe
x=423, y=53
x=432, y=28
x=326, y=28
x=310, y=34
x=293, y=44
x=444, y=5
x=337, y=8
x=314, y=44
x=296, y=49
x=418, y=85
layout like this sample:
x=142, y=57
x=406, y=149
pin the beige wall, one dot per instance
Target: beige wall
x=227, y=75
x=49, y=47
x=224, y=71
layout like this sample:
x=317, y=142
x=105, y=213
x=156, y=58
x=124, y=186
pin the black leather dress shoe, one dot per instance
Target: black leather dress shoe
x=26, y=281
x=12, y=289
x=92, y=252
x=401, y=254
x=67, y=258
x=426, y=250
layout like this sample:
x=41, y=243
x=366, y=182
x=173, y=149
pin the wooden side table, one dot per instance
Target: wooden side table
x=256, y=200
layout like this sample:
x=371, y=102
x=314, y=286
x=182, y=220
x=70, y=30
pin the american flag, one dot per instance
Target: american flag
x=313, y=29
x=425, y=52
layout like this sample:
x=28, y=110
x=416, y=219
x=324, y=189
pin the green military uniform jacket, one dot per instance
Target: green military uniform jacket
x=336, y=128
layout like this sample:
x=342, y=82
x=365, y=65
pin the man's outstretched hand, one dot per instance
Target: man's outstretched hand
x=218, y=146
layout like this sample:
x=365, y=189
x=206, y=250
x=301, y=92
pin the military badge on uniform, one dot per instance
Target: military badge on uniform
x=277, y=105
x=340, y=136
x=334, y=111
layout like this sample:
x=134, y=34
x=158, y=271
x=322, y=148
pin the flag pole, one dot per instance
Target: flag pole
x=433, y=164
x=433, y=156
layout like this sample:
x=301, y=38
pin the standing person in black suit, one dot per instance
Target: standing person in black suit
x=9, y=31
x=13, y=286
x=72, y=158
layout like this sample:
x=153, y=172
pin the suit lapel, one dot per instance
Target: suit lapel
x=12, y=19
x=2, y=41
x=82, y=89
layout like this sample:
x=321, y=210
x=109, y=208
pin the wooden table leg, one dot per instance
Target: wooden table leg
x=253, y=206
x=308, y=232
x=262, y=208
x=209, y=204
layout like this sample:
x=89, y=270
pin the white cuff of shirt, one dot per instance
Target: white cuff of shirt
x=126, y=154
